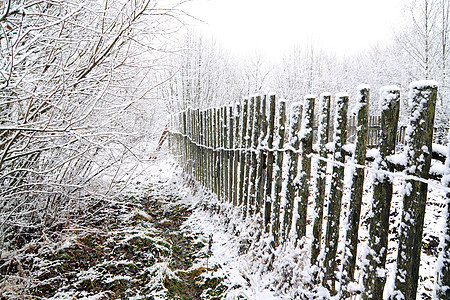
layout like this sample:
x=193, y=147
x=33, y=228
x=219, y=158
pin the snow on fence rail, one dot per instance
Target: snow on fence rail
x=250, y=156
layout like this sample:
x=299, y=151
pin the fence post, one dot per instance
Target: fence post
x=191, y=146
x=323, y=133
x=279, y=144
x=225, y=153
x=202, y=148
x=211, y=147
x=198, y=160
x=248, y=159
x=382, y=196
x=292, y=182
x=236, y=154
x=254, y=154
x=356, y=192
x=335, y=198
x=306, y=134
x=243, y=154
x=262, y=161
x=216, y=152
x=418, y=151
x=230, y=153
x=442, y=283
x=270, y=159
x=184, y=139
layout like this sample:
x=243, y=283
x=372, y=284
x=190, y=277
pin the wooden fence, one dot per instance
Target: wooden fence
x=259, y=159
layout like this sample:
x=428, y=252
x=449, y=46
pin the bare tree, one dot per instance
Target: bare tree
x=199, y=74
x=70, y=72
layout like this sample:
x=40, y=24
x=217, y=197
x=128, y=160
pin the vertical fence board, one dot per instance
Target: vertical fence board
x=354, y=210
x=382, y=196
x=279, y=144
x=262, y=161
x=254, y=155
x=418, y=151
x=305, y=173
x=243, y=153
x=211, y=146
x=270, y=159
x=336, y=192
x=216, y=151
x=248, y=154
x=236, y=145
x=225, y=153
x=323, y=134
x=230, y=152
x=292, y=182
x=442, y=285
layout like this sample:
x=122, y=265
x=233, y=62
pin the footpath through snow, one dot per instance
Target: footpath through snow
x=157, y=241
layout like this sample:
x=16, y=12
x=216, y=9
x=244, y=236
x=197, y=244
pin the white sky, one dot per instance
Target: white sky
x=273, y=27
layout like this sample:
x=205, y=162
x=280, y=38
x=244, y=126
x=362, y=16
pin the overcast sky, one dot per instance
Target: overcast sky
x=272, y=27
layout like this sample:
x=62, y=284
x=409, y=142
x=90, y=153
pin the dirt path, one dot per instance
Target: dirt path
x=132, y=249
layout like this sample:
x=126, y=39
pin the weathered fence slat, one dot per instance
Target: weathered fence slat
x=292, y=182
x=243, y=154
x=270, y=160
x=211, y=146
x=322, y=136
x=236, y=145
x=382, y=196
x=231, y=178
x=442, y=284
x=279, y=144
x=262, y=160
x=336, y=192
x=306, y=136
x=248, y=154
x=254, y=155
x=225, y=153
x=418, y=151
x=216, y=153
x=354, y=211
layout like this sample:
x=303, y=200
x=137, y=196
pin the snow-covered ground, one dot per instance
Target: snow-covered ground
x=244, y=255
x=239, y=248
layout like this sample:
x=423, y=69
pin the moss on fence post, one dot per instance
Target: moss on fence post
x=270, y=158
x=382, y=196
x=336, y=192
x=278, y=177
x=323, y=134
x=306, y=135
x=356, y=192
x=418, y=150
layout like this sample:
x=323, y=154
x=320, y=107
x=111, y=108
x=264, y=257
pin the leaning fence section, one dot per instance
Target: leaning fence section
x=259, y=156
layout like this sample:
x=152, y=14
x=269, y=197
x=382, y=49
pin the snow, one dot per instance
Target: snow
x=363, y=86
x=387, y=94
x=342, y=95
x=423, y=83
